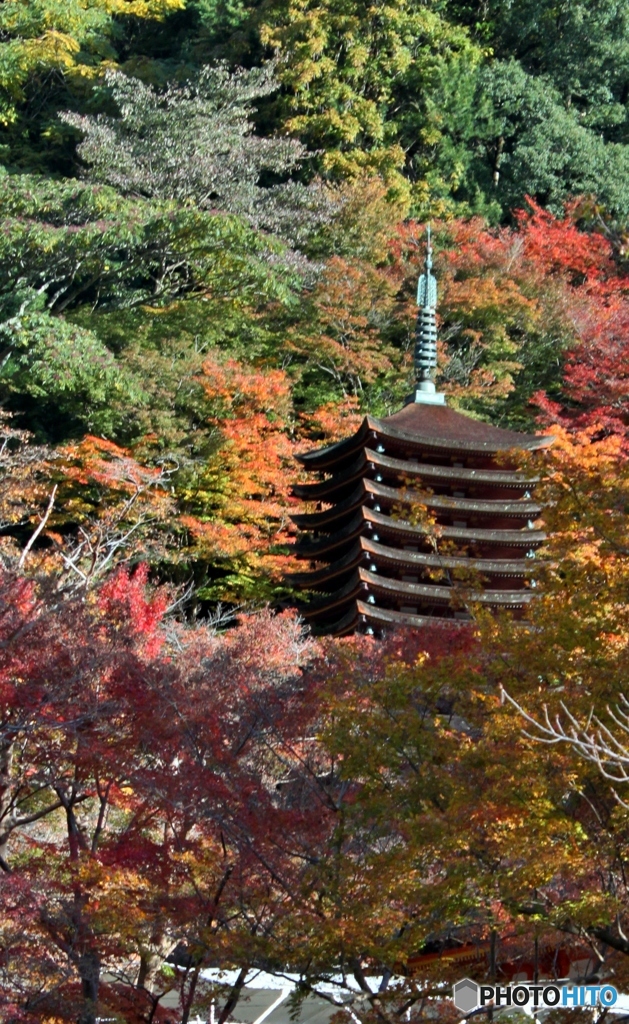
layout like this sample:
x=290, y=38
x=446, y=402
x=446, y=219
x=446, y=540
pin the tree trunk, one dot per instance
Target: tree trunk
x=89, y=972
x=6, y=767
x=497, y=160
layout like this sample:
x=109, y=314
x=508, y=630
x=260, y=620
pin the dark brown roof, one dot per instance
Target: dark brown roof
x=384, y=617
x=316, y=548
x=501, y=477
x=388, y=617
x=413, y=560
x=440, y=421
x=333, y=453
x=326, y=489
x=432, y=427
x=414, y=593
x=393, y=495
x=339, y=483
x=429, y=592
x=400, y=527
x=418, y=559
x=342, y=627
x=451, y=431
x=341, y=597
x=342, y=566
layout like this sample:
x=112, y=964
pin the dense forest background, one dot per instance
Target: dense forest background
x=212, y=226
x=213, y=218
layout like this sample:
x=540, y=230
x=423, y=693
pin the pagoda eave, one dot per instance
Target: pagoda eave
x=413, y=561
x=344, y=626
x=491, y=446
x=333, y=488
x=343, y=565
x=328, y=490
x=363, y=614
x=383, y=617
x=431, y=594
x=402, y=530
x=443, y=437
x=437, y=594
x=322, y=606
x=451, y=473
x=395, y=496
x=334, y=453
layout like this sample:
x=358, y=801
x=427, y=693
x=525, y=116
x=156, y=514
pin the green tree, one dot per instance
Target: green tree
x=459, y=109
x=194, y=143
x=51, y=53
x=527, y=141
x=67, y=248
x=581, y=48
x=358, y=84
x=552, y=99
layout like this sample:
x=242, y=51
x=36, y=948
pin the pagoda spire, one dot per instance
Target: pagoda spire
x=426, y=335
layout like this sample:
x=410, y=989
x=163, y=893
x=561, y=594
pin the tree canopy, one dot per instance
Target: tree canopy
x=213, y=219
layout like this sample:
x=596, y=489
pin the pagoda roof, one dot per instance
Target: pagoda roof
x=389, y=617
x=409, y=497
x=401, y=528
x=328, y=572
x=392, y=495
x=414, y=560
x=442, y=423
x=428, y=427
x=450, y=474
x=382, y=617
x=439, y=594
x=427, y=593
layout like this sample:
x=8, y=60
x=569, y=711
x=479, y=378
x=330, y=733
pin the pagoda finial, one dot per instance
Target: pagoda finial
x=426, y=334
x=427, y=285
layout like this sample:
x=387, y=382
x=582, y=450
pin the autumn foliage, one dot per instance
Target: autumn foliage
x=213, y=220
x=137, y=808
x=188, y=781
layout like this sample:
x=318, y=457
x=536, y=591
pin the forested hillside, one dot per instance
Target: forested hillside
x=213, y=218
x=212, y=228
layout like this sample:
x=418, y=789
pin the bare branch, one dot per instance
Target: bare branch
x=44, y=520
x=592, y=740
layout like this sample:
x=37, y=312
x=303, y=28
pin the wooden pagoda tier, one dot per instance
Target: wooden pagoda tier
x=416, y=515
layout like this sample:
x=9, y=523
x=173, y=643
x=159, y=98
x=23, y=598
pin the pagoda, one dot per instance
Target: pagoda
x=419, y=515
